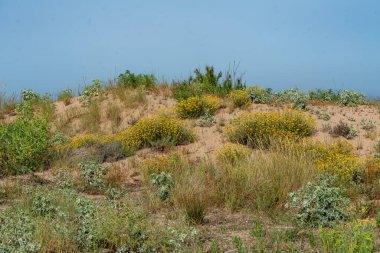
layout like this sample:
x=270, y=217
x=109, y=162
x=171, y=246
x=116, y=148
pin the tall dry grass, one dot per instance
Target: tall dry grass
x=260, y=182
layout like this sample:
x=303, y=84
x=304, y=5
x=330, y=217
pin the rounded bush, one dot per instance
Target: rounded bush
x=25, y=146
x=193, y=107
x=148, y=131
x=232, y=153
x=84, y=141
x=259, y=129
x=239, y=98
x=337, y=158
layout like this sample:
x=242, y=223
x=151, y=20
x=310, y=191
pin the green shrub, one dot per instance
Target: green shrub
x=323, y=95
x=65, y=96
x=353, y=237
x=258, y=129
x=293, y=95
x=319, y=203
x=24, y=146
x=95, y=89
x=129, y=79
x=260, y=95
x=29, y=94
x=239, y=98
x=163, y=183
x=92, y=175
x=208, y=82
x=193, y=107
x=34, y=105
x=351, y=98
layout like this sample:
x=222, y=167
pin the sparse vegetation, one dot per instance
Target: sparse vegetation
x=123, y=171
x=65, y=96
x=344, y=130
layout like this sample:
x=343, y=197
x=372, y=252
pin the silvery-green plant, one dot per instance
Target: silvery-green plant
x=319, y=203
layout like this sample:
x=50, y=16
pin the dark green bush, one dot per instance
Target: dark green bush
x=208, y=82
x=324, y=95
x=130, y=79
x=24, y=146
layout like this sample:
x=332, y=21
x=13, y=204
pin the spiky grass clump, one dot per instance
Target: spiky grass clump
x=259, y=129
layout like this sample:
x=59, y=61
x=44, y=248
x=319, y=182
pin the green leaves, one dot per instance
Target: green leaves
x=24, y=146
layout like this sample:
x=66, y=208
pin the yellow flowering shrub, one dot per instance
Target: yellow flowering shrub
x=239, y=98
x=155, y=164
x=152, y=129
x=84, y=141
x=337, y=158
x=194, y=107
x=211, y=103
x=259, y=129
x=232, y=153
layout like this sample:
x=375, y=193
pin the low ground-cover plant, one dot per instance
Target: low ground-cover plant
x=129, y=79
x=92, y=175
x=206, y=120
x=163, y=184
x=259, y=129
x=193, y=107
x=319, y=203
x=344, y=130
x=367, y=124
x=25, y=146
x=356, y=236
x=51, y=220
x=323, y=115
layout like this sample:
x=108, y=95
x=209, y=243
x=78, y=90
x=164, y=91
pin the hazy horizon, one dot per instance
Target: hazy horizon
x=53, y=45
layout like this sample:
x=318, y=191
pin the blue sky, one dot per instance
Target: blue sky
x=51, y=45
